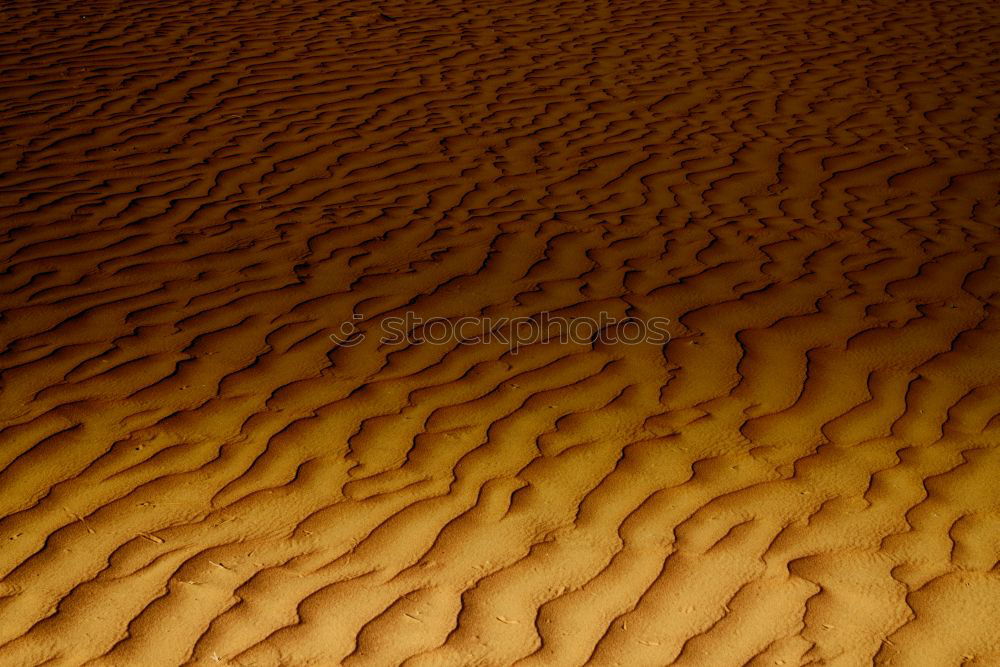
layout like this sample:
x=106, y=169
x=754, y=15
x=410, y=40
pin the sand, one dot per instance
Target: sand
x=196, y=196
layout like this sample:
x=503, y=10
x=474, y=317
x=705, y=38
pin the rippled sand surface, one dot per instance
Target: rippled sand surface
x=195, y=195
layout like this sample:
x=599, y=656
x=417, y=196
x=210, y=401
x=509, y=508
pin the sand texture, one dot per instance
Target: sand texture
x=196, y=195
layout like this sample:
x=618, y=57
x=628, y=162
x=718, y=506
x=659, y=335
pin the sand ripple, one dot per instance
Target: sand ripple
x=194, y=196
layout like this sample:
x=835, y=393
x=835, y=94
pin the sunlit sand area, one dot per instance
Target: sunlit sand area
x=453, y=334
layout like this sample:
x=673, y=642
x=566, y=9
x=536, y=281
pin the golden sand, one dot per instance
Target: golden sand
x=196, y=196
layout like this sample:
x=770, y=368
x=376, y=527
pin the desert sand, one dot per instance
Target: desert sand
x=197, y=196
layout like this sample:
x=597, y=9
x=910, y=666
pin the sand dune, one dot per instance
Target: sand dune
x=196, y=196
